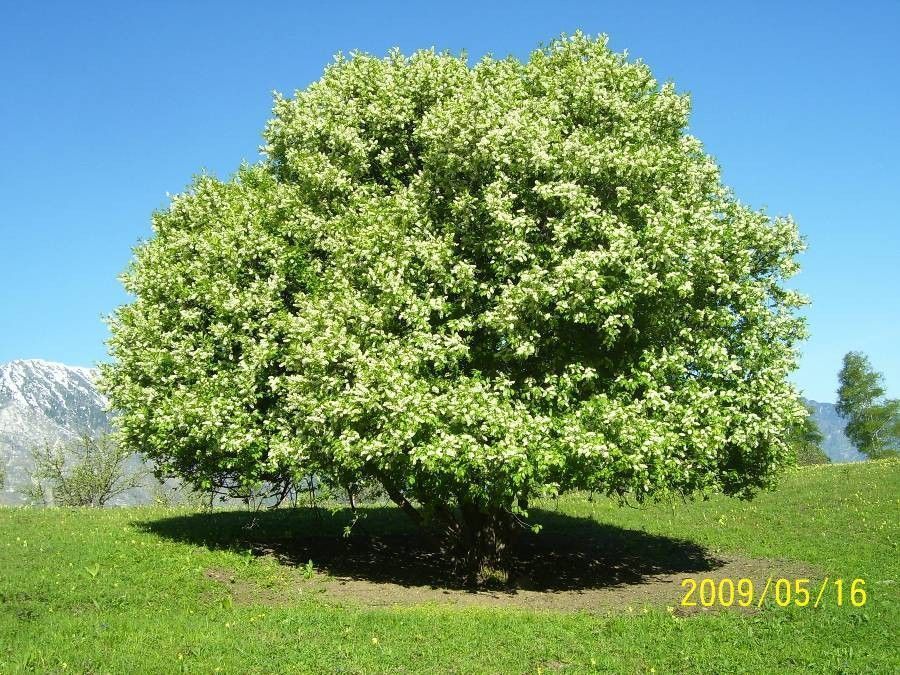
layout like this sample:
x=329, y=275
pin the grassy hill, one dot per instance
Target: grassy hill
x=165, y=590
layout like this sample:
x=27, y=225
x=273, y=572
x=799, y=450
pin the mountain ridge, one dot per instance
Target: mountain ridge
x=835, y=442
x=44, y=402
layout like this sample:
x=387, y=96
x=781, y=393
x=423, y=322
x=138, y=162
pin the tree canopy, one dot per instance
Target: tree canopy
x=471, y=284
x=873, y=420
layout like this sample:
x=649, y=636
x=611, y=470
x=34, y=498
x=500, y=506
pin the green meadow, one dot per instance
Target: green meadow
x=173, y=590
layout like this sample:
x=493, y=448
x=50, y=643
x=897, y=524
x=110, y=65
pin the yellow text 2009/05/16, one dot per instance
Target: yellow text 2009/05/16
x=783, y=592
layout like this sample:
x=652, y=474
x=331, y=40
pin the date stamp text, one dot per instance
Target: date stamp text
x=783, y=592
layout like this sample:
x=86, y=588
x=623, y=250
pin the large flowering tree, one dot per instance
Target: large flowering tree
x=473, y=285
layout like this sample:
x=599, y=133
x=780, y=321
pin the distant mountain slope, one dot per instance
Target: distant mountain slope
x=44, y=402
x=836, y=444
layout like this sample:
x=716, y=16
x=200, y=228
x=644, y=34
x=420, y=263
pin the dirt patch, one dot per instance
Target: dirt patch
x=616, y=571
x=661, y=590
x=245, y=592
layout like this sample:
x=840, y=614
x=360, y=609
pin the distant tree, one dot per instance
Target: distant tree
x=873, y=421
x=2, y=476
x=806, y=439
x=89, y=472
x=472, y=285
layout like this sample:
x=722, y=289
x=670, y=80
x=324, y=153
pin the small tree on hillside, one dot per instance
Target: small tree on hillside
x=873, y=421
x=472, y=286
x=88, y=472
x=806, y=440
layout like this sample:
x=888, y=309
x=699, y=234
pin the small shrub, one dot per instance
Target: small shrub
x=89, y=472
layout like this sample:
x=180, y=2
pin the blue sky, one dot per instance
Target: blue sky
x=106, y=107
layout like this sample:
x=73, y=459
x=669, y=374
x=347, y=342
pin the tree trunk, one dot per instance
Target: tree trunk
x=478, y=540
x=487, y=538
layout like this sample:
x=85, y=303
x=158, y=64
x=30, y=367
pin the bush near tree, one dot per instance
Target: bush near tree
x=88, y=472
x=806, y=439
x=471, y=285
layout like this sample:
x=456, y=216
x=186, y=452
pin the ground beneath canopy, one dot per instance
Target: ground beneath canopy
x=611, y=571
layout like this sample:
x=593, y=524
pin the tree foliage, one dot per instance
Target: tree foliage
x=88, y=472
x=873, y=420
x=470, y=285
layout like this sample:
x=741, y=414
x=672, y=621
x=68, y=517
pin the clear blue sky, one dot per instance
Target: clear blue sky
x=107, y=106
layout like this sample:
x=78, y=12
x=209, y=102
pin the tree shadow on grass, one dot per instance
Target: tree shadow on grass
x=569, y=554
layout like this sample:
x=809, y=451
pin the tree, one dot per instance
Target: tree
x=89, y=472
x=471, y=286
x=806, y=440
x=873, y=421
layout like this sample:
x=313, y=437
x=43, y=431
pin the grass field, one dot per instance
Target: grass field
x=167, y=590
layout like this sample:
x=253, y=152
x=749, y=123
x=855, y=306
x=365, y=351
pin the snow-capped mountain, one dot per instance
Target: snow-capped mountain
x=43, y=402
